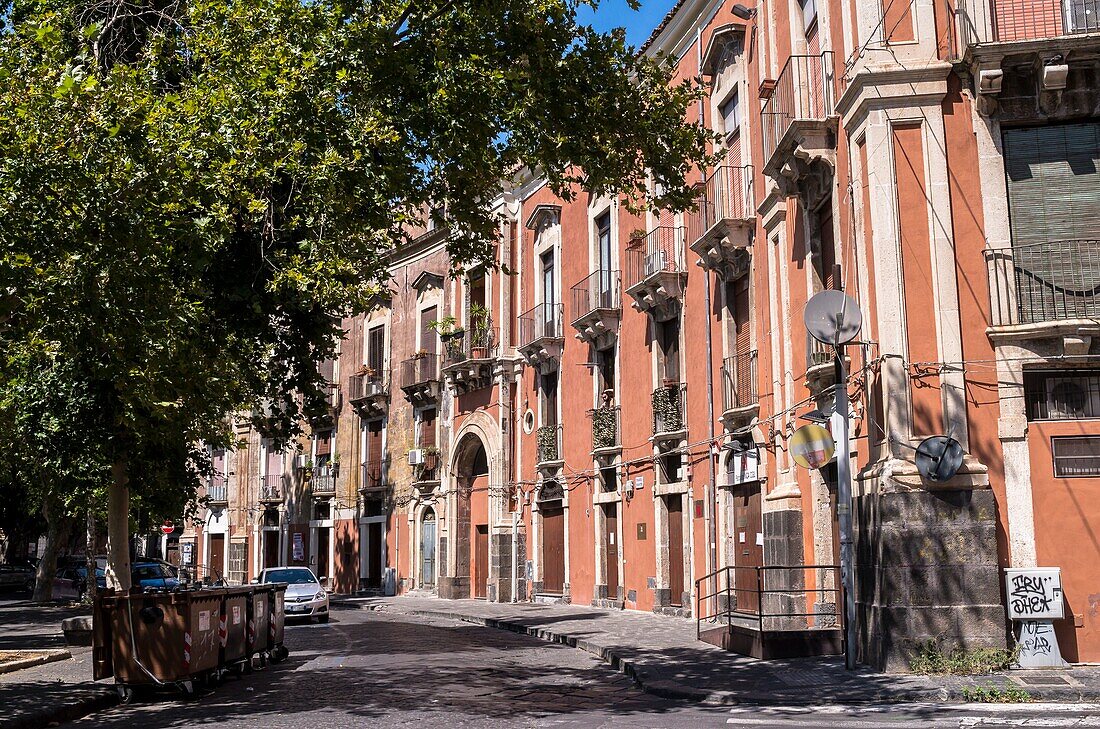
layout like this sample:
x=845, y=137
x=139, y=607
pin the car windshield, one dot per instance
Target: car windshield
x=293, y=577
x=150, y=572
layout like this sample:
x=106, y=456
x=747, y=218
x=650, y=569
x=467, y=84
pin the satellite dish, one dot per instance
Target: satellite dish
x=812, y=446
x=832, y=317
x=939, y=458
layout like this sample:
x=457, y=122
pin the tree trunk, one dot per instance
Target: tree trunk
x=118, y=529
x=58, y=527
x=89, y=556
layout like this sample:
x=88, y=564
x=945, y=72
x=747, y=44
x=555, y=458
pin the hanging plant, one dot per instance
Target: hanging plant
x=546, y=441
x=667, y=414
x=604, y=428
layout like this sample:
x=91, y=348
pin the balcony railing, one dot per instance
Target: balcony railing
x=372, y=474
x=661, y=251
x=477, y=343
x=598, y=290
x=669, y=414
x=419, y=370
x=368, y=384
x=605, y=427
x=217, y=490
x=429, y=469
x=541, y=322
x=271, y=487
x=548, y=444
x=818, y=354
x=1023, y=20
x=727, y=195
x=1044, y=282
x=803, y=92
x=739, y=381
x=323, y=481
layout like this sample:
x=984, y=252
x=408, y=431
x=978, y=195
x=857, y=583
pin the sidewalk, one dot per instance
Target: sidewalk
x=664, y=657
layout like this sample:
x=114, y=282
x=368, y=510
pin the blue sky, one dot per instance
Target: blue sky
x=616, y=13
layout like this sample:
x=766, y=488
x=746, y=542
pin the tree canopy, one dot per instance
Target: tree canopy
x=193, y=192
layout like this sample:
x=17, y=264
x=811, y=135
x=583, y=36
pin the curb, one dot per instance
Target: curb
x=678, y=691
x=48, y=656
x=97, y=700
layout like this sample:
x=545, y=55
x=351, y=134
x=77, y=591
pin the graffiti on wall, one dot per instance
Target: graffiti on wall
x=1034, y=594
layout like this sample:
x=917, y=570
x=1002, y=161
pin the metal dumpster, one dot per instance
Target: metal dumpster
x=157, y=638
x=259, y=619
x=234, y=628
x=277, y=621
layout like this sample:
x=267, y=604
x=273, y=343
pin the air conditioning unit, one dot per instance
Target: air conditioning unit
x=416, y=457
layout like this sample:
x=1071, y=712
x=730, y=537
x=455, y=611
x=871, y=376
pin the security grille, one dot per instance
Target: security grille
x=1062, y=394
x=1076, y=456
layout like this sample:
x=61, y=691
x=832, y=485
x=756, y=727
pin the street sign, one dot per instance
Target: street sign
x=812, y=446
x=168, y=527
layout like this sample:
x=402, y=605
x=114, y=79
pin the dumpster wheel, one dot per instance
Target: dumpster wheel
x=125, y=693
x=187, y=687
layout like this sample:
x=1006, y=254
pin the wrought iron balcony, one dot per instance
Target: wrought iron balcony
x=797, y=119
x=597, y=306
x=470, y=358
x=420, y=378
x=1045, y=288
x=272, y=487
x=428, y=471
x=369, y=391
x=720, y=228
x=372, y=474
x=740, y=400
x=1015, y=21
x=605, y=429
x=669, y=411
x=655, y=271
x=540, y=336
x=217, y=489
x=323, y=481
x=548, y=445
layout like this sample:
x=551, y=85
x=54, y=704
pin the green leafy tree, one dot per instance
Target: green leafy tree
x=193, y=192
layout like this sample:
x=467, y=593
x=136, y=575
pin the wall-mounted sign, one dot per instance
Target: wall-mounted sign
x=187, y=553
x=298, y=550
x=1034, y=593
x=812, y=446
x=743, y=466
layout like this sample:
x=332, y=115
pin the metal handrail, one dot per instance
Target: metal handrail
x=739, y=380
x=726, y=195
x=598, y=290
x=420, y=369
x=271, y=487
x=761, y=591
x=660, y=251
x=543, y=321
x=366, y=384
x=676, y=418
x=605, y=427
x=1043, y=282
x=803, y=92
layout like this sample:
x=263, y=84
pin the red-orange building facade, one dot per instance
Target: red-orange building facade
x=611, y=422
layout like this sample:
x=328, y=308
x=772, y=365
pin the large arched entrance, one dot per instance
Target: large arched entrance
x=471, y=474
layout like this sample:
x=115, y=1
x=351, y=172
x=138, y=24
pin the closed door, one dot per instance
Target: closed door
x=427, y=551
x=215, y=561
x=480, y=576
x=374, y=555
x=271, y=549
x=748, y=545
x=611, y=545
x=553, y=550
x=675, y=550
x=323, y=567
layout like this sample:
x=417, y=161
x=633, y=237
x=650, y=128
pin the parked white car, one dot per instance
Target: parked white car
x=305, y=596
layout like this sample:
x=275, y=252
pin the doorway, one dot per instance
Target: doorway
x=427, y=550
x=324, y=540
x=553, y=549
x=271, y=549
x=374, y=544
x=480, y=576
x=675, y=550
x=215, y=560
x=748, y=545
x=611, y=549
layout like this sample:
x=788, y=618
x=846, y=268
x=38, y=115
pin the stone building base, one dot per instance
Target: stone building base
x=926, y=569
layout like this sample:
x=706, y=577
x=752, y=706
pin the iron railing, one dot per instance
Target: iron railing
x=368, y=384
x=1043, y=282
x=599, y=290
x=476, y=343
x=323, y=481
x=548, y=443
x=669, y=408
x=271, y=487
x=803, y=92
x=818, y=353
x=727, y=195
x=419, y=370
x=739, y=381
x=429, y=469
x=661, y=251
x=1022, y=20
x=541, y=322
x=372, y=473
x=776, y=598
x=605, y=427
x=217, y=489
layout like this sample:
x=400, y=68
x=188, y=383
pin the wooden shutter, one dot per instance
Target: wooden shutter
x=374, y=441
x=324, y=442
x=427, y=428
x=274, y=461
x=742, y=339
x=428, y=336
x=376, y=345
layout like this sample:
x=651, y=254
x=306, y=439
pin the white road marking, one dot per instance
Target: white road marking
x=1037, y=708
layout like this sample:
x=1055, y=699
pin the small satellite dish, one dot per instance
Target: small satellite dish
x=832, y=317
x=938, y=458
x=812, y=446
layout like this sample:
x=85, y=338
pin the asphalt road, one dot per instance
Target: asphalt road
x=383, y=669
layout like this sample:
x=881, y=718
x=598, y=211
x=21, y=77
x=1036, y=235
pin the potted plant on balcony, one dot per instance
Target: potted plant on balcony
x=666, y=410
x=447, y=328
x=481, y=335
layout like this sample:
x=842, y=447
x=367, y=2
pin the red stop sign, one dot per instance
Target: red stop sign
x=168, y=527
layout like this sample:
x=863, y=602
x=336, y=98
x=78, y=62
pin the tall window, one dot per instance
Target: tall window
x=731, y=114
x=549, y=387
x=427, y=334
x=605, y=372
x=606, y=261
x=425, y=432
x=668, y=343
x=376, y=347
x=549, y=294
